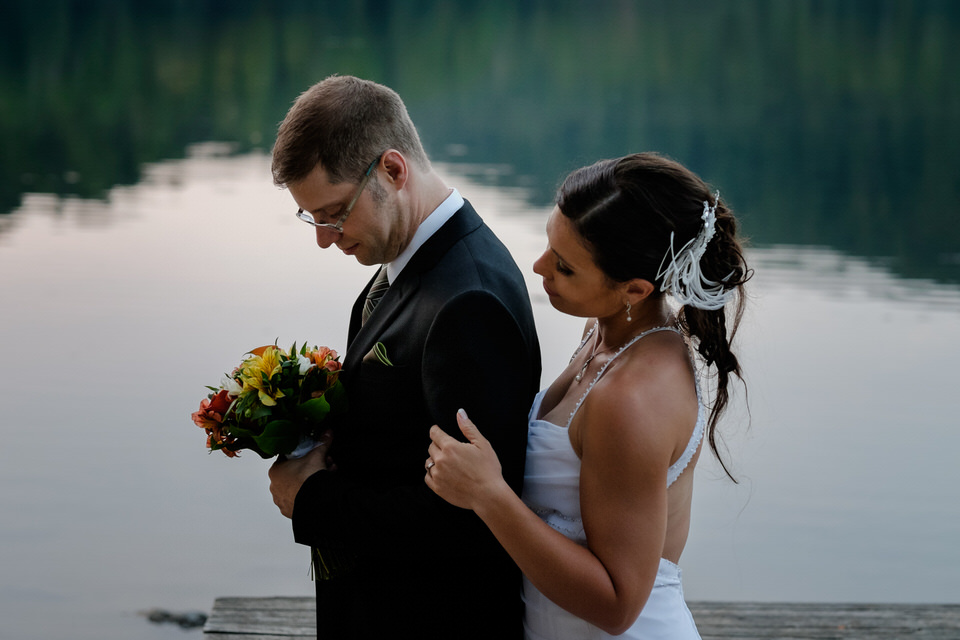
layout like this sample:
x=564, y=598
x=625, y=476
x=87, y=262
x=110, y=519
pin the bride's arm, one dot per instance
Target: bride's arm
x=623, y=496
x=625, y=454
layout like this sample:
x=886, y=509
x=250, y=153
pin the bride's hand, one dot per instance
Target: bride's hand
x=463, y=473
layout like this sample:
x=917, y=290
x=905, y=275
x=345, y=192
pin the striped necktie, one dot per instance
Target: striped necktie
x=377, y=289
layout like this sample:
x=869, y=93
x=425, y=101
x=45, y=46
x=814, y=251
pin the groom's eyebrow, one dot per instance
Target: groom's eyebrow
x=332, y=206
x=325, y=210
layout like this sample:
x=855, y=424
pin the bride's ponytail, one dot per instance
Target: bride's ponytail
x=722, y=262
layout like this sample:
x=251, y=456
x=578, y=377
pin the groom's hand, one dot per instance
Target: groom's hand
x=287, y=476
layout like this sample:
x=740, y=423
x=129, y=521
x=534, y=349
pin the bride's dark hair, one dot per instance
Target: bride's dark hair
x=625, y=209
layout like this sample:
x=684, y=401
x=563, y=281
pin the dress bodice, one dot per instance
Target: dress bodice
x=551, y=481
x=551, y=485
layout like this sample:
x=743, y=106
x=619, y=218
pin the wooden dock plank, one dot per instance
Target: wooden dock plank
x=281, y=618
x=813, y=621
x=262, y=618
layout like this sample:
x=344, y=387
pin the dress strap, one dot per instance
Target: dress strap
x=606, y=364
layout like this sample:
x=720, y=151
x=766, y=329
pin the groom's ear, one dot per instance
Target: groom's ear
x=396, y=167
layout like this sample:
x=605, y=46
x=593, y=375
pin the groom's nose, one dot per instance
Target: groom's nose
x=326, y=237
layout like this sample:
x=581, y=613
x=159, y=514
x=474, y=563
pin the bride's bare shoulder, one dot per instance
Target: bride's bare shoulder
x=651, y=390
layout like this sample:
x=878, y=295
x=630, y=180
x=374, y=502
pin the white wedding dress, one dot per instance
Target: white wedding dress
x=552, y=490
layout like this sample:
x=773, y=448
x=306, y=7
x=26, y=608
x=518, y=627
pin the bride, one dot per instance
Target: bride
x=605, y=511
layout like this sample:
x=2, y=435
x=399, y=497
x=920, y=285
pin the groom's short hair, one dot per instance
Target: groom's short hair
x=343, y=123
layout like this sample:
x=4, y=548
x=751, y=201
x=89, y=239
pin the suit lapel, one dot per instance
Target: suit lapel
x=390, y=305
x=362, y=339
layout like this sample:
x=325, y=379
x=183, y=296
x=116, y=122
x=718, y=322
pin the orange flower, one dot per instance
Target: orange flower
x=332, y=365
x=210, y=417
x=212, y=410
x=325, y=357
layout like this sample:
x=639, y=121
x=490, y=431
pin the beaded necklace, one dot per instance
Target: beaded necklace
x=593, y=355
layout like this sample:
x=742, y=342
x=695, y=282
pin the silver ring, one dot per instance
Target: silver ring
x=430, y=464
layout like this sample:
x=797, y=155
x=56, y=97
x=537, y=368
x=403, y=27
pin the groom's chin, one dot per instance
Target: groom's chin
x=356, y=251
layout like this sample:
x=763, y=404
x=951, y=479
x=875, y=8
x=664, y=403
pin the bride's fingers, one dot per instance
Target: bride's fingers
x=469, y=429
x=441, y=438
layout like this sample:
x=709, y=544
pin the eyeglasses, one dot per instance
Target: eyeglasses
x=307, y=217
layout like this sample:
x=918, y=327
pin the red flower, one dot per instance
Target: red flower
x=210, y=417
x=212, y=410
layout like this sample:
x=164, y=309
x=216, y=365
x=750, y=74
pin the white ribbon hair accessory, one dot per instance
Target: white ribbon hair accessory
x=680, y=270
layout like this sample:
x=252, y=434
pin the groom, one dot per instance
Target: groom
x=453, y=329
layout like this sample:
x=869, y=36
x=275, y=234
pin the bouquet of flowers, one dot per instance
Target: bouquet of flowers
x=274, y=402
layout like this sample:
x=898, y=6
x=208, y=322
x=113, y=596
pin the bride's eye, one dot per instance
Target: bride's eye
x=563, y=269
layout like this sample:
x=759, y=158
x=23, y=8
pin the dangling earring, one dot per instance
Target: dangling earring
x=629, y=318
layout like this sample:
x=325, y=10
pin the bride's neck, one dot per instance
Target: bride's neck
x=616, y=331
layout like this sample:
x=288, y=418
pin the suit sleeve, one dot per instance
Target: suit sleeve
x=477, y=360
x=476, y=357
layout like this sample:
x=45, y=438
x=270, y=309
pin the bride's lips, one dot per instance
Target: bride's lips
x=549, y=291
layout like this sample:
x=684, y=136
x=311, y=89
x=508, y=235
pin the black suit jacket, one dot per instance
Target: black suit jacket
x=458, y=327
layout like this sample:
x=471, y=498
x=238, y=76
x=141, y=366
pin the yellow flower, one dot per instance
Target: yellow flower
x=256, y=373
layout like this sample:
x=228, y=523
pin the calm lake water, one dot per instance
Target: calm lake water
x=117, y=314
x=139, y=260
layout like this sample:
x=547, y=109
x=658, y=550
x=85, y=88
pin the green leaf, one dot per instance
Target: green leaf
x=279, y=436
x=246, y=444
x=315, y=409
x=257, y=411
x=237, y=431
x=336, y=397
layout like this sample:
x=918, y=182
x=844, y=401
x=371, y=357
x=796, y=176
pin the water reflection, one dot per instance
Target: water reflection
x=835, y=275
x=828, y=124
